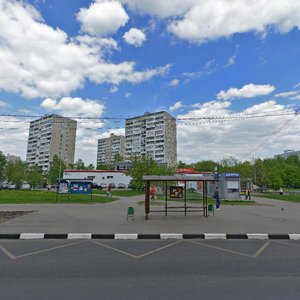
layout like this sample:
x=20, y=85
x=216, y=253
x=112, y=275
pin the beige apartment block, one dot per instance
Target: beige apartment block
x=152, y=134
x=48, y=136
x=109, y=147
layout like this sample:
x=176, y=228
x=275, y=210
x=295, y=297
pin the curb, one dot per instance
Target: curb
x=160, y=236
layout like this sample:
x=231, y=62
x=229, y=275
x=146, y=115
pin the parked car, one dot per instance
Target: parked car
x=96, y=186
x=11, y=186
x=103, y=185
x=25, y=186
x=121, y=186
x=4, y=185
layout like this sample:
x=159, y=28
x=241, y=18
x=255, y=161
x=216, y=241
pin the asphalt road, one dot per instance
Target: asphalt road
x=149, y=269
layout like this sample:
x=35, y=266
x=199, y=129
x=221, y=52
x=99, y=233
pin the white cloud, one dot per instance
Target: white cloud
x=103, y=17
x=200, y=21
x=296, y=97
x=199, y=138
x=230, y=62
x=31, y=53
x=162, y=9
x=127, y=95
x=286, y=94
x=4, y=104
x=296, y=85
x=176, y=106
x=113, y=89
x=247, y=91
x=135, y=37
x=174, y=82
x=75, y=107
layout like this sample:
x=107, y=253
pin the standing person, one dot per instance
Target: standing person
x=153, y=192
x=109, y=190
x=249, y=195
x=217, y=197
x=246, y=194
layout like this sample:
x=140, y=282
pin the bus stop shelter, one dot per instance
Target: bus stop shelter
x=178, y=190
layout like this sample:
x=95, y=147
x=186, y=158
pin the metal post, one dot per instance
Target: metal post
x=147, y=199
x=166, y=195
x=185, y=198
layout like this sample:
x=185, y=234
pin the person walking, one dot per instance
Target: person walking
x=217, y=197
x=249, y=195
x=246, y=194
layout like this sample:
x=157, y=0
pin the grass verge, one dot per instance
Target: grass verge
x=275, y=196
x=47, y=197
x=119, y=193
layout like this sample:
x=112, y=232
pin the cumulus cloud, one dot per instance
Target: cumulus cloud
x=174, y=82
x=286, y=94
x=247, y=91
x=31, y=53
x=176, y=106
x=135, y=37
x=4, y=104
x=162, y=9
x=103, y=17
x=200, y=21
x=200, y=136
x=74, y=106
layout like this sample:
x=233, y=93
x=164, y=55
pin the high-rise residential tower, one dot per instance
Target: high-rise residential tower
x=152, y=134
x=48, y=136
x=109, y=147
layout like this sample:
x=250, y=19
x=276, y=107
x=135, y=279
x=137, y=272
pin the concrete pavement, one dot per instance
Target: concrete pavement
x=269, y=216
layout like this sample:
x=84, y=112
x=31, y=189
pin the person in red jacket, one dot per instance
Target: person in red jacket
x=153, y=192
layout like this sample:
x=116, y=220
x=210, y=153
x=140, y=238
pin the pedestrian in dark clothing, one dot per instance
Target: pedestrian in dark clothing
x=217, y=197
x=249, y=195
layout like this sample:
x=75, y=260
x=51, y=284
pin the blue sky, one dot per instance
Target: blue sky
x=120, y=58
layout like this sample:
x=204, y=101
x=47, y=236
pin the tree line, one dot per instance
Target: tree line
x=265, y=173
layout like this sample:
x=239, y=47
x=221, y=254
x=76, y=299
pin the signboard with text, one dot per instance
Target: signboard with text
x=176, y=192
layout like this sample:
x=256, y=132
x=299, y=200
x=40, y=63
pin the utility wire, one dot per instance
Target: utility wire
x=273, y=134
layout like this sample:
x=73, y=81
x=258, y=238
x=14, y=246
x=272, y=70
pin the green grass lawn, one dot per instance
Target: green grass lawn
x=43, y=197
x=276, y=196
x=119, y=193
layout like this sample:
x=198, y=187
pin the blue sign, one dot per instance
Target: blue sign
x=236, y=175
x=80, y=188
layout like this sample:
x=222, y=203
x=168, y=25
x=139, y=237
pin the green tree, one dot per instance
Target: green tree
x=3, y=163
x=103, y=167
x=79, y=165
x=205, y=166
x=90, y=167
x=146, y=165
x=34, y=176
x=57, y=167
x=260, y=176
x=16, y=172
x=118, y=157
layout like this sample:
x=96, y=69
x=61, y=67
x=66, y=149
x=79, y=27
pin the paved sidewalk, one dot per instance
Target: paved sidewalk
x=270, y=216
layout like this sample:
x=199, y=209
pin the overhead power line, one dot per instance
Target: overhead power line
x=274, y=133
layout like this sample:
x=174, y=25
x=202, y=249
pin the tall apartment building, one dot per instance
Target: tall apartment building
x=288, y=153
x=109, y=147
x=48, y=136
x=152, y=134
